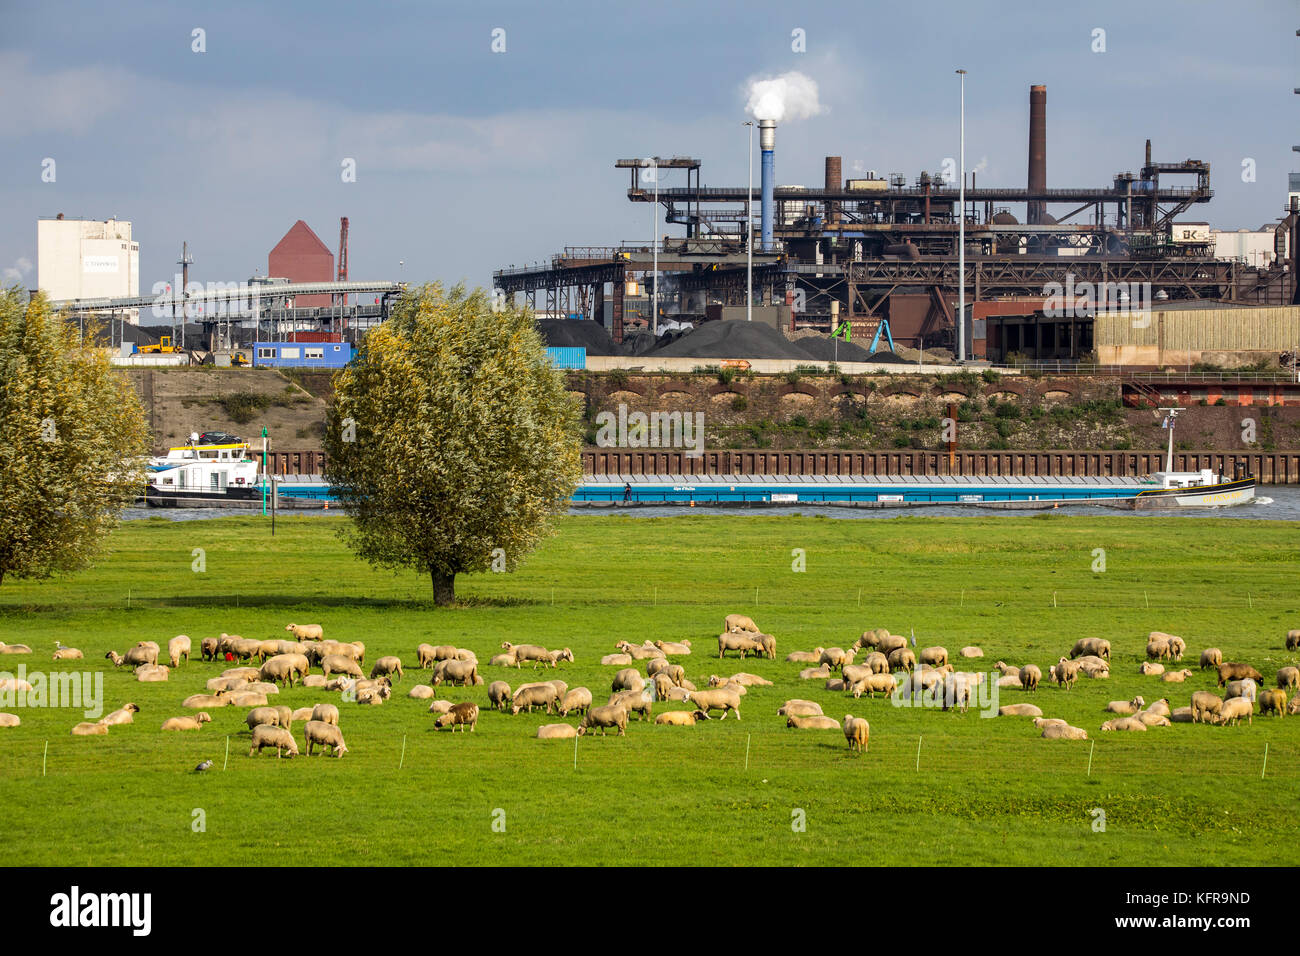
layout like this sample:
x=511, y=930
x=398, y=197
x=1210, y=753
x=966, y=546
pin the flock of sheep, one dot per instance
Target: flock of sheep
x=647, y=675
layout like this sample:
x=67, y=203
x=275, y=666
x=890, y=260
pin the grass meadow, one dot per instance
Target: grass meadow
x=935, y=787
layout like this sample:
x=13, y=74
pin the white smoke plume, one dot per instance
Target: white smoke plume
x=790, y=96
x=20, y=268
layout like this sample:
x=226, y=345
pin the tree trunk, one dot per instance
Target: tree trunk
x=444, y=588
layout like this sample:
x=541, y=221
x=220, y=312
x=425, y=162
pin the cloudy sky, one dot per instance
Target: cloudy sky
x=468, y=159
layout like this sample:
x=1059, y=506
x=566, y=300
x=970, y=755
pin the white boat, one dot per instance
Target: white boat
x=198, y=475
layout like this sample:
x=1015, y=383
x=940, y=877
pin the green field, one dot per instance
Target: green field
x=986, y=791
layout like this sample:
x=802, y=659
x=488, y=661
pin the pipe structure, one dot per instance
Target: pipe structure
x=767, y=143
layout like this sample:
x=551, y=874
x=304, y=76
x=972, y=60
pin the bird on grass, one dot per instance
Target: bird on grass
x=203, y=767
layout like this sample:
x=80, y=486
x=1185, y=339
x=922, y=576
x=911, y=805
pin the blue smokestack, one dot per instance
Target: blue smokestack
x=767, y=142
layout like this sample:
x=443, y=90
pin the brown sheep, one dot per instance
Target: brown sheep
x=466, y=712
x=1231, y=671
x=1272, y=702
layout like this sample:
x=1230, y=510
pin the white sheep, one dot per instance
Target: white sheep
x=857, y=732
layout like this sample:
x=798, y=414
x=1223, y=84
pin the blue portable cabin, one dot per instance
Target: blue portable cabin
x=301, y=354
x=568, y=357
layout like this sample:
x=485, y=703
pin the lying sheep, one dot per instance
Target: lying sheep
x=1182, y=715
x=815, y=673
x=679, y=693
x=68, y=654
x=425, y=692
x=1272, y=702
x=1288, y=678
x=1231, y=671
x=676, y=718
x=716, y=681
x=241, y=698
x=640, y=653
x=1151, y=668
x=300, y=715
x=800, y=708
x=226, y=683
x=466, y=712
x=386, y=667
x=1063, y=732
x=812, y=723
x=123, y=715
x=1159, y=707
x=248, y=673
x=628, y=679
x=1233, y=710
x=604, y=717
x=1041, y=723
x=14, y=648
x=1293, y=705
x=305, y=632
x=675, y=648
x=971, y=651
x=1019, y=710
x=556, y=732
x=151, y=673
x=1205, y=706
x=267, y=735
x=614, y=660
x=204, y=701
x=718, y=698
x=805, y=657
x=1176, y=677
x=1125, y=706
x=1030, y=675
x=314, y=680
x=318, y=733
x=1093, y=667
x=1124, y=723
x=10, y=720
x=192, y=722
x=1150, y=719
x=857, y=732
x=749, y=680
x=1211, y=657
x=739, y=622
x=325, y=714
x=578, y=699
x=440, y=707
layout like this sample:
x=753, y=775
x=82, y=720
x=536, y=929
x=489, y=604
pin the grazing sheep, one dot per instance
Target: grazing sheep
x=934, y=656
x=466, y=712
x=267, y=735
x=1125, y=706
x=835, y=658
x=628, y=679
x=339, y=664
x=800, y=708
x=305, y=632
x=657, y=664
x=1030, y=675
x=855, y=672
x=151, y=673
x=1124, y=723
x=325, y=714
x=1211, y=657
x=425, y=656
x=857, y=732
x=717, y=698
x=675, y=648
x=663, y=686
x=275, y=716
x=1241, y=688
x=135, y=656
x=440, y=707
x=317, y=732
x=604, y=717
x=1177, y=647
x=1151, y=668
x=871, y=638
x=561, y=655
x=192, y=722
x=208, y=648
x=634, y=702
x=387, y=666
x=13, y=720
x=556, y=732
x=578, y=699
x=805, y=657
x=1176, y=677
x=873, y=684
x=1272, y=702
x=737, y=641
x=1292, y=640
x=68, y=654
x=453, y=671
x=890, y=642
x=812, y=723
x=1205, y=705
x=612, y=660
x=1067, y=672
x=1091, y=645
x=1158, y=645
x=739, y=622
x=957, y=690
x=902, y=658
x=768, y=643
x=1293, y=705
x=1233, y=710
x=676, y=718
x=499, y=695
x=682, y=694
x=204, y=701
x=815, y=673
x=123, y=715
x=529, y=696
x=283, y=668
x=1063, y=732
x=1288, y=678
x=1019, y=710
x=1231, y=671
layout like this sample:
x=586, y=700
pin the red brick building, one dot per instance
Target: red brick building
x=301, y=257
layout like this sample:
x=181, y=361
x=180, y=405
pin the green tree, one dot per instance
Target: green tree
x=72, y=440
x=451, y=435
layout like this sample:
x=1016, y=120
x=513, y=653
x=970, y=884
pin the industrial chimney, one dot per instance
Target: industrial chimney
x=1037, y=151
x=835, y=181
x=767, y=143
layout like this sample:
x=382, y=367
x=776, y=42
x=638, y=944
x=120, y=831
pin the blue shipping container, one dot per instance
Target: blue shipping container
x=301, y=354
x=568, y=357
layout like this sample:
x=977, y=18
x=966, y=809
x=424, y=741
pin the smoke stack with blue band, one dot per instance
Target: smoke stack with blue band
x=767, y=143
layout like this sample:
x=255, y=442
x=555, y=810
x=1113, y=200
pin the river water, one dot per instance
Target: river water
x=1272, y=503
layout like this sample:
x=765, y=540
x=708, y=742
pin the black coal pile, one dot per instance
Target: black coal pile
x=577, y=333
x=736, y=339
x=825, y=349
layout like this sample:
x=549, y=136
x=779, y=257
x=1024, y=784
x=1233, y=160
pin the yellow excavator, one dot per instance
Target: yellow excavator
x=164, y=346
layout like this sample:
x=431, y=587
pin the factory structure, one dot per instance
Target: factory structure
x=88, y=258
x=884, y=248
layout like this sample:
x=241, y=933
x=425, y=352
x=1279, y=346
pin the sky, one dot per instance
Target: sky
x=476, y=149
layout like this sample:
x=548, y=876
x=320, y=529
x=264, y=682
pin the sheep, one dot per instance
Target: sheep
x=123, y=715
x=1176, y=677
x=1233, y=710
x=1091, y=645
x=267, y=735
x=634, y=702
x=1231, y=671
x=13, y=720
x=464, y=673
x=300, y=715
x=1205, y=705
x=13, y=685
x=1124, y=723
x=604, y=717
x=628, y=679
x=1288, y=678
x=675, y=648
x=1093, y=667
x=326, y=735
x=800, y=708
x=151, y=673
x=1292, y=640
x=248, y=673
x=556, y=732
x=387, y=666
x=812, y=723
x=204, y=701
x=325, y=714
x=676, y=718
x=836, y=657
x=716, y=681
x=244, y=698
x=1030, y=675
x=355, y=650
x=1181, y=715
x=739, y=622
x=1067, y=672
x=717, y=698
x=578, y=699
x=855, y=672
x=971, y=651
x=192, y=722
x=1177, y=647
x=612, y=660
x=1211, y=657
x=306, y=632
x=276, y=716
x=236, y=646
x=424, y=656
x=934, y=656
x=1272, y=702
x=1006, y=670
x=339, y=664
x=871, y=638
x=68, y=654
x=561, y=655
x=641, y=653
x=805, y=657
x=1150, y=719
x=134, y=656
x=14, y=648
x=1125, y=706
x=1041, y=723
x=1063, y=732
x=440, y=707
x=682, y=694
x=857, y=732
x=957, y=690
x=282, y=667
x=1151, y=669
x=425, y=692
x=499, y=695
x=1293, y=705
x=530, y=652
x=208, y=648
x=663, y=686
x=466, y=712
x=1161, y=706
x=737, y=641
x=1019, y=710
x=815, y=673
x=873, y=684
x=529, y=696
x=749, y=680
x=902, y=658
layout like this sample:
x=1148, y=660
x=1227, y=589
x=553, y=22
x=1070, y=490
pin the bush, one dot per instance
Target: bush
x=990, y=376
x=1005, y=428
x=240, y=407
x=799, y=421
x=739, y=403
x=821, y=429
x=617, y=378
x=1007, y=410
x=902, y=441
